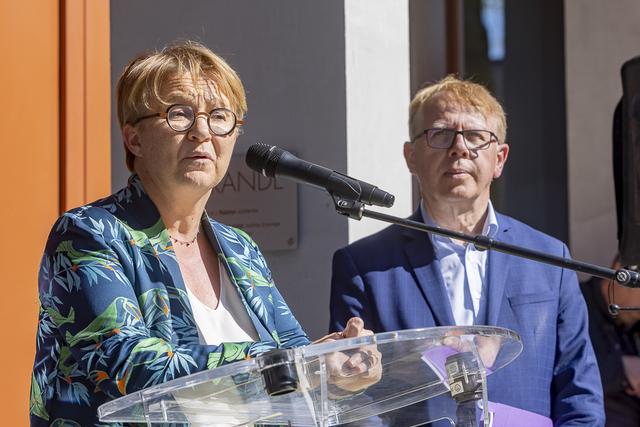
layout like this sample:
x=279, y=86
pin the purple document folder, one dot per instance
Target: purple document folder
x=508, y=416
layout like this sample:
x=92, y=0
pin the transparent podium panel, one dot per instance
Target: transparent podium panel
x=366, y=380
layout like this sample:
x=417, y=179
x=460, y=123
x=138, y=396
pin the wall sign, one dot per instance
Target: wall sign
x=265, y=208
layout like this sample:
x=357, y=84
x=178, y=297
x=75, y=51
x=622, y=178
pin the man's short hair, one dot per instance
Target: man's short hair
x=139, y=86
x=463, y=92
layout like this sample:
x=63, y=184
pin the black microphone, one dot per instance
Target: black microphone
x=272, y=161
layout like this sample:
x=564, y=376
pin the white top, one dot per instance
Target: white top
x=463, y=269
x=229, y=322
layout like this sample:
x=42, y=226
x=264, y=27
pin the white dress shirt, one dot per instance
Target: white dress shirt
x=229, y=322
x=463, y=269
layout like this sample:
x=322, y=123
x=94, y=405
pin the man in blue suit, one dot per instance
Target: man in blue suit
x=401, y=279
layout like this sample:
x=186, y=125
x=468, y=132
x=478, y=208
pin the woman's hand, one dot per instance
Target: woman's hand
x=355, y=369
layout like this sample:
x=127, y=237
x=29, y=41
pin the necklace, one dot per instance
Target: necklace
x=182, y=242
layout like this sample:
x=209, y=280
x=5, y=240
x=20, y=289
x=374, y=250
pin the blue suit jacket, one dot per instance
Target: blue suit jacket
x=392, y=280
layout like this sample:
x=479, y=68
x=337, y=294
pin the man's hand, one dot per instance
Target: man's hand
x=359, y=368
x=631, y=366
x=488, y=347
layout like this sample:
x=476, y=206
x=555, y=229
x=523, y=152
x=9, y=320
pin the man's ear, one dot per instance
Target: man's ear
x=409, y=158
x=502, y=154
x=131, y=139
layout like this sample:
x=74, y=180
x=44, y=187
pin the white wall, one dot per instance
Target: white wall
x=599, y=37
x=377, y=80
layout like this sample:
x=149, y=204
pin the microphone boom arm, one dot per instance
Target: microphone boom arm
x=356, y=210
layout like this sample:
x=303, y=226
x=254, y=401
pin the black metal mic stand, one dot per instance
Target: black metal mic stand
x=354, y=209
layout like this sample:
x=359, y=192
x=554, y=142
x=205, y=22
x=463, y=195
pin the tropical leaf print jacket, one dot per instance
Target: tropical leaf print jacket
x=114, y=314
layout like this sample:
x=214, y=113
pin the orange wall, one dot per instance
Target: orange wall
x=28, y=184
x=85, y=102
x=54, y=65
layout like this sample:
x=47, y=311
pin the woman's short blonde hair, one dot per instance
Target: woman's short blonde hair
x=138, y=88
x=463, y=92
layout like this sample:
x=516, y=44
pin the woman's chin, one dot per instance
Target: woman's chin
x=199, y=178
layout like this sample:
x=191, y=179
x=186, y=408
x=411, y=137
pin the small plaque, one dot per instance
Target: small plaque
x=265, y=208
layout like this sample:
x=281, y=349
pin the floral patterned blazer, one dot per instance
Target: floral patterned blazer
x=114, y=313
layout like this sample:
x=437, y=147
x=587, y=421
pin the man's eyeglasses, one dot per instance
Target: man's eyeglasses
x=475, y=139
x=181, y=118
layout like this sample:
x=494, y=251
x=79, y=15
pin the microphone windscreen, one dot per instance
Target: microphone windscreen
x=263, y=158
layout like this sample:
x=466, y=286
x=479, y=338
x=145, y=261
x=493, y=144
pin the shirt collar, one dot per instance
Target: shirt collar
x=133, y=206
x=490, y=227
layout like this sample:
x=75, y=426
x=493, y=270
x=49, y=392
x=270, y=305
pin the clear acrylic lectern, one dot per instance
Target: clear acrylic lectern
x=446, y=367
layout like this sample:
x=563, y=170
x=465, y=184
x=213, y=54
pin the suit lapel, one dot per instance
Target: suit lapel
x=254, y=302
x=498, y=271
x=426, y=267
x=139, y=214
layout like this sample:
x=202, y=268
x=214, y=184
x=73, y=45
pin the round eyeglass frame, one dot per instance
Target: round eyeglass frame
x=455, y=133
x=165, y=115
